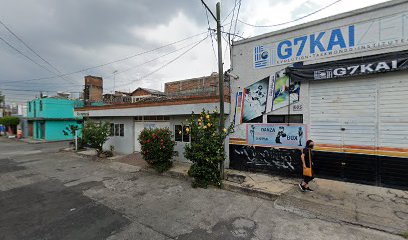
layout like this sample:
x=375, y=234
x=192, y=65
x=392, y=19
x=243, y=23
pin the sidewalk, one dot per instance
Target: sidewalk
x=379, y=208
x=368, y=206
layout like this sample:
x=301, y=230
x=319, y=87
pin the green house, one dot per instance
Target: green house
x=49, y=117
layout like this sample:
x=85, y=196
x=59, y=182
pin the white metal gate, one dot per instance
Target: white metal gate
x=393, y=111
x=344, y=112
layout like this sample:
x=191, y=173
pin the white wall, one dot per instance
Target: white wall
x=122, y=145
x=242, y=53
x=167, y=110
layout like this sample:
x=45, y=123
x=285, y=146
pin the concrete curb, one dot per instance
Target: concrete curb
x=233, y=187
x=226, y=185
x=24, y=140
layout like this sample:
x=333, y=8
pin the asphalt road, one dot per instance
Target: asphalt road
x=46, y=194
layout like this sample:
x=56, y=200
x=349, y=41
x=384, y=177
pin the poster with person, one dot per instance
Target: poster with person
x=282, y=91
x=277, y=135
x=255, y=97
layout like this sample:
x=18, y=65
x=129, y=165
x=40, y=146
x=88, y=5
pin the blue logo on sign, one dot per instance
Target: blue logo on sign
x=261, y=57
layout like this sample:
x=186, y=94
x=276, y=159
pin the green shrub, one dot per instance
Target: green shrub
x=157, y=147
x=95, y=134
x=9, y=121
x=206, y=149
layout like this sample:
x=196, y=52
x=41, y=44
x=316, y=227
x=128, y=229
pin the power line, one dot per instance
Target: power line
x=32, y=50
x=115, y=61
x=228, y=45
x=18, y=51
x=154, y=59
x=28, y=90
x=211, y=36
x=295, y=20
x=236, y=19
x=166, y=64
x=228, y=15
x=138, y=65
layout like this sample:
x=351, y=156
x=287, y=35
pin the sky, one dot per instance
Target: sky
x=71, y=38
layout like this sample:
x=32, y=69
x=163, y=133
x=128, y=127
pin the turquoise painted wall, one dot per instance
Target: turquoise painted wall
x=55, y=114
x=51, y=108
x=54, y=130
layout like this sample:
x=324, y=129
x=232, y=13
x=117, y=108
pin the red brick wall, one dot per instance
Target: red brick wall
x=95, y=88
x=203, y=85
x=95, y=81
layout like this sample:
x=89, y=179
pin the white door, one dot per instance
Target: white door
x=139, y=126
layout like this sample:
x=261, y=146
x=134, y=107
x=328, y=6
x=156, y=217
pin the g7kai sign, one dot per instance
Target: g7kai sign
x=277, y=135
x=385, y=32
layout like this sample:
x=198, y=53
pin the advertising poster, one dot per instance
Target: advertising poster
x=283, y=91
x=271, y=89
x=277, y=135
x=255, y=97
x=238, y=108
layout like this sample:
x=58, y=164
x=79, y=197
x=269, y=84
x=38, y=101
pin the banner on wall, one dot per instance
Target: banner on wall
x=282, y=91
x=255, y=98
x=386, y=62
x=277, y=135
x=238, y=108
x=381, y=33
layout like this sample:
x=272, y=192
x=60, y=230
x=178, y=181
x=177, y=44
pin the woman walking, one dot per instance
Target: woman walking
x=307, y=167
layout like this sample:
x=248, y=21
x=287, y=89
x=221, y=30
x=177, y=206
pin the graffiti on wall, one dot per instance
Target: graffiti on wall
x=278, y=160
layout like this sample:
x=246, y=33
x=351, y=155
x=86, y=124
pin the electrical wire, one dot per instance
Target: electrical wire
x=228, y=45
x=211, y=36
x=28, y=90
x=122, y=71
x=115, y=61
x=236, y=20
x=164, y=65
x=295, y=20
x=32, y=50
x=154, y=59
x=21, y=53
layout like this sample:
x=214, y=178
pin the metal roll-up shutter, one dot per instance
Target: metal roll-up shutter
x=343, y=115
x=393, y=127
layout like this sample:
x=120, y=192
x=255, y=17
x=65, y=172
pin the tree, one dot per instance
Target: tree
x=206, y=150
x=95, y=134
x=10, y=122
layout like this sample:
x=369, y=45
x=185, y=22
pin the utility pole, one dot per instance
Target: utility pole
x=217, y=18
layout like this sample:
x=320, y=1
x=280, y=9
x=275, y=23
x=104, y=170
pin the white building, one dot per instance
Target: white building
x=130, y=119
x=348, y=87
